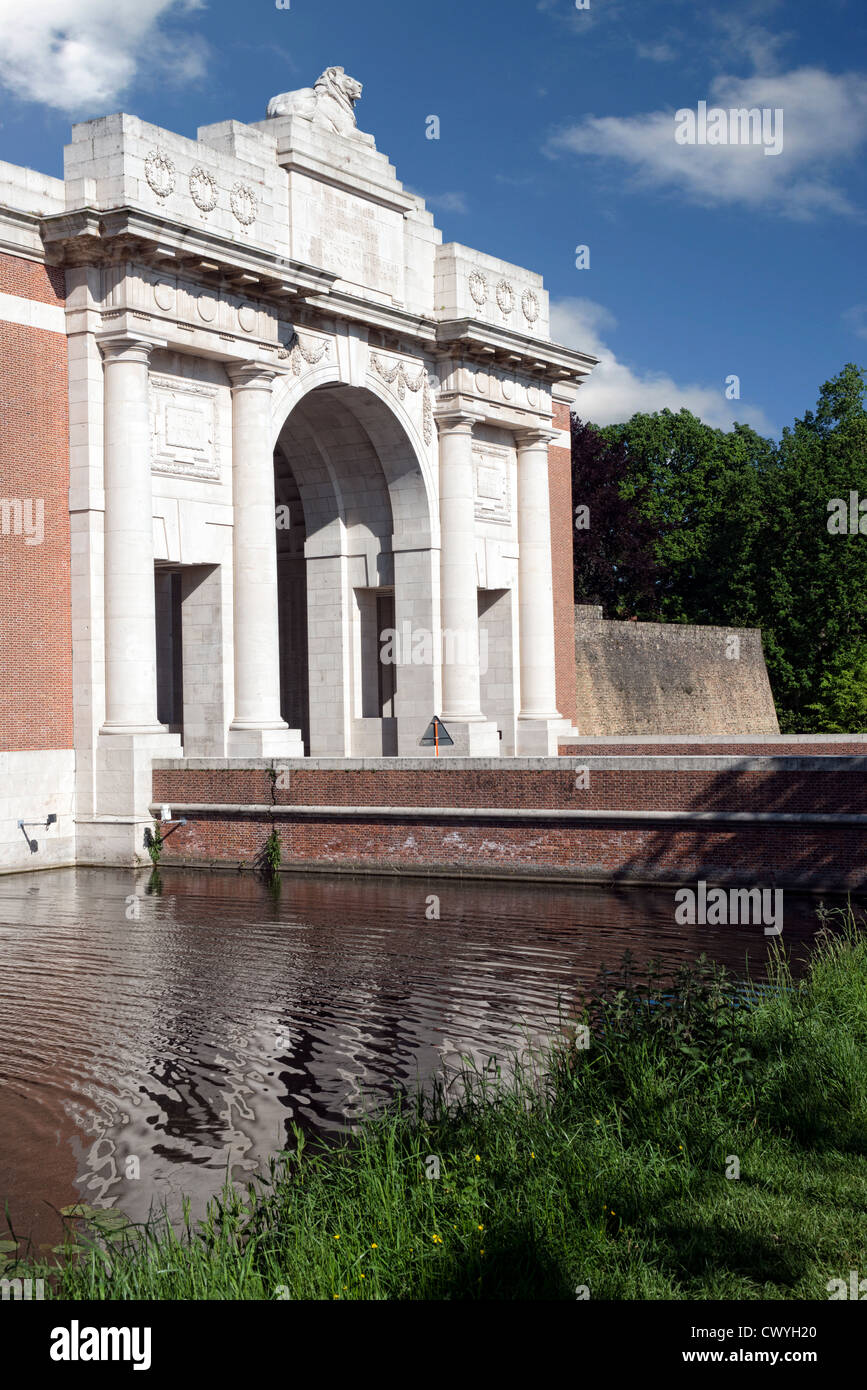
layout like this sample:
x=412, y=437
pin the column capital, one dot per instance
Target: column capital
x=128, y=347
x=251, y=376
x=534, y=435
x=456, y=421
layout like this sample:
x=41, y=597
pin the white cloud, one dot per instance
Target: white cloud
x=856, y=319
x=824, y=124
x=614, y=391
x=80, y=55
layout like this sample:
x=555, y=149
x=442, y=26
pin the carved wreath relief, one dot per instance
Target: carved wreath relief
x=244, y=204
x=160, y=173
x=505, y=298
x=530, y=306
x=203, y=189
x=504, y=295
x=478, y=288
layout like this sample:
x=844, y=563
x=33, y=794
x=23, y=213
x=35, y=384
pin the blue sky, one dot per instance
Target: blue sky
x=557, y=129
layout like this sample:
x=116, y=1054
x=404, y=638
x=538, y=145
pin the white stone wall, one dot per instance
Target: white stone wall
x=472, y=285
x=34, y=785
x=122, y=161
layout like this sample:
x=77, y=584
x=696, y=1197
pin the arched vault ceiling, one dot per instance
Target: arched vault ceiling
x=353, y=463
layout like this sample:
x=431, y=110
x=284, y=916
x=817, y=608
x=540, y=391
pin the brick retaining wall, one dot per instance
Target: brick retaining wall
x=634, y=821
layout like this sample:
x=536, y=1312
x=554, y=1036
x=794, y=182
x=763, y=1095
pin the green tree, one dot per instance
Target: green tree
x=814, y=584
x=613, y=548
x=739, y=537
x=703, y=490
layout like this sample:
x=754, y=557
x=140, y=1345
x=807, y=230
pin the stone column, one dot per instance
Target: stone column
x=535, y=595
x=130, y=621
x=131, y=736
x=257, y=729
x=459, y=604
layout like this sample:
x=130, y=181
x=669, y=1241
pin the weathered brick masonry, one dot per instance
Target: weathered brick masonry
x=488, y=842
x=35, y=622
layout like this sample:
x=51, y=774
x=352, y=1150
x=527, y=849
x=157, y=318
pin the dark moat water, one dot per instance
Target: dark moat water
x=179, y=1034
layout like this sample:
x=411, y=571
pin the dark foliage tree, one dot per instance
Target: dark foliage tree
x=614, y=543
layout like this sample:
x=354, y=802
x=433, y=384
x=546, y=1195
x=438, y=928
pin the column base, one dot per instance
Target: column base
x=473, y=738
x=112, y=840
x=279, y=742
x=540, y=738
x=124, y=791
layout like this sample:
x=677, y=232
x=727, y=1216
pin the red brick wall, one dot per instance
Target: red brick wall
x=28, y=280
x=560, y=489
x=610, y=789
x=831, y=858
x=826, y=856
x=35, y=620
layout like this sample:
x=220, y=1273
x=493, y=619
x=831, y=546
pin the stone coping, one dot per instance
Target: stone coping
x=500, y=813
x=733, y=762
x=716, y=738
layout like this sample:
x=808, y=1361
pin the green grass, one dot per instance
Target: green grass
x=604, y=1167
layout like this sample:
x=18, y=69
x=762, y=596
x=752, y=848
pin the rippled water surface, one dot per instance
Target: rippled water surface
x=186, y=1029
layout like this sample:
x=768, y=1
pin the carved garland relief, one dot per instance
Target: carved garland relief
x=299, y=352
x=398, y=373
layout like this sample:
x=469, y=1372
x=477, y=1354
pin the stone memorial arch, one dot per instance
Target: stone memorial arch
x=318, y=460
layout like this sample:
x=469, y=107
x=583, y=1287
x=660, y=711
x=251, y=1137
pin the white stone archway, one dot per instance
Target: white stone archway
x=361, y=558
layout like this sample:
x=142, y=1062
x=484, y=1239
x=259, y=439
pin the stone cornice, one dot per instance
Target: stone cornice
x=19, y=234
x=88, y=236
x=483, y=342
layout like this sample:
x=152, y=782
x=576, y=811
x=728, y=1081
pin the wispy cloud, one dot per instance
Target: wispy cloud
x=448, y=202
x=614, y=391
x=825, y=124
x=515, y=181
x=80, y=55
x=856, y=319
x=656, y=52
x=740, y=37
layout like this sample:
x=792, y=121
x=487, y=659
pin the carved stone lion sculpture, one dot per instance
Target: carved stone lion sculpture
x=331, y=103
